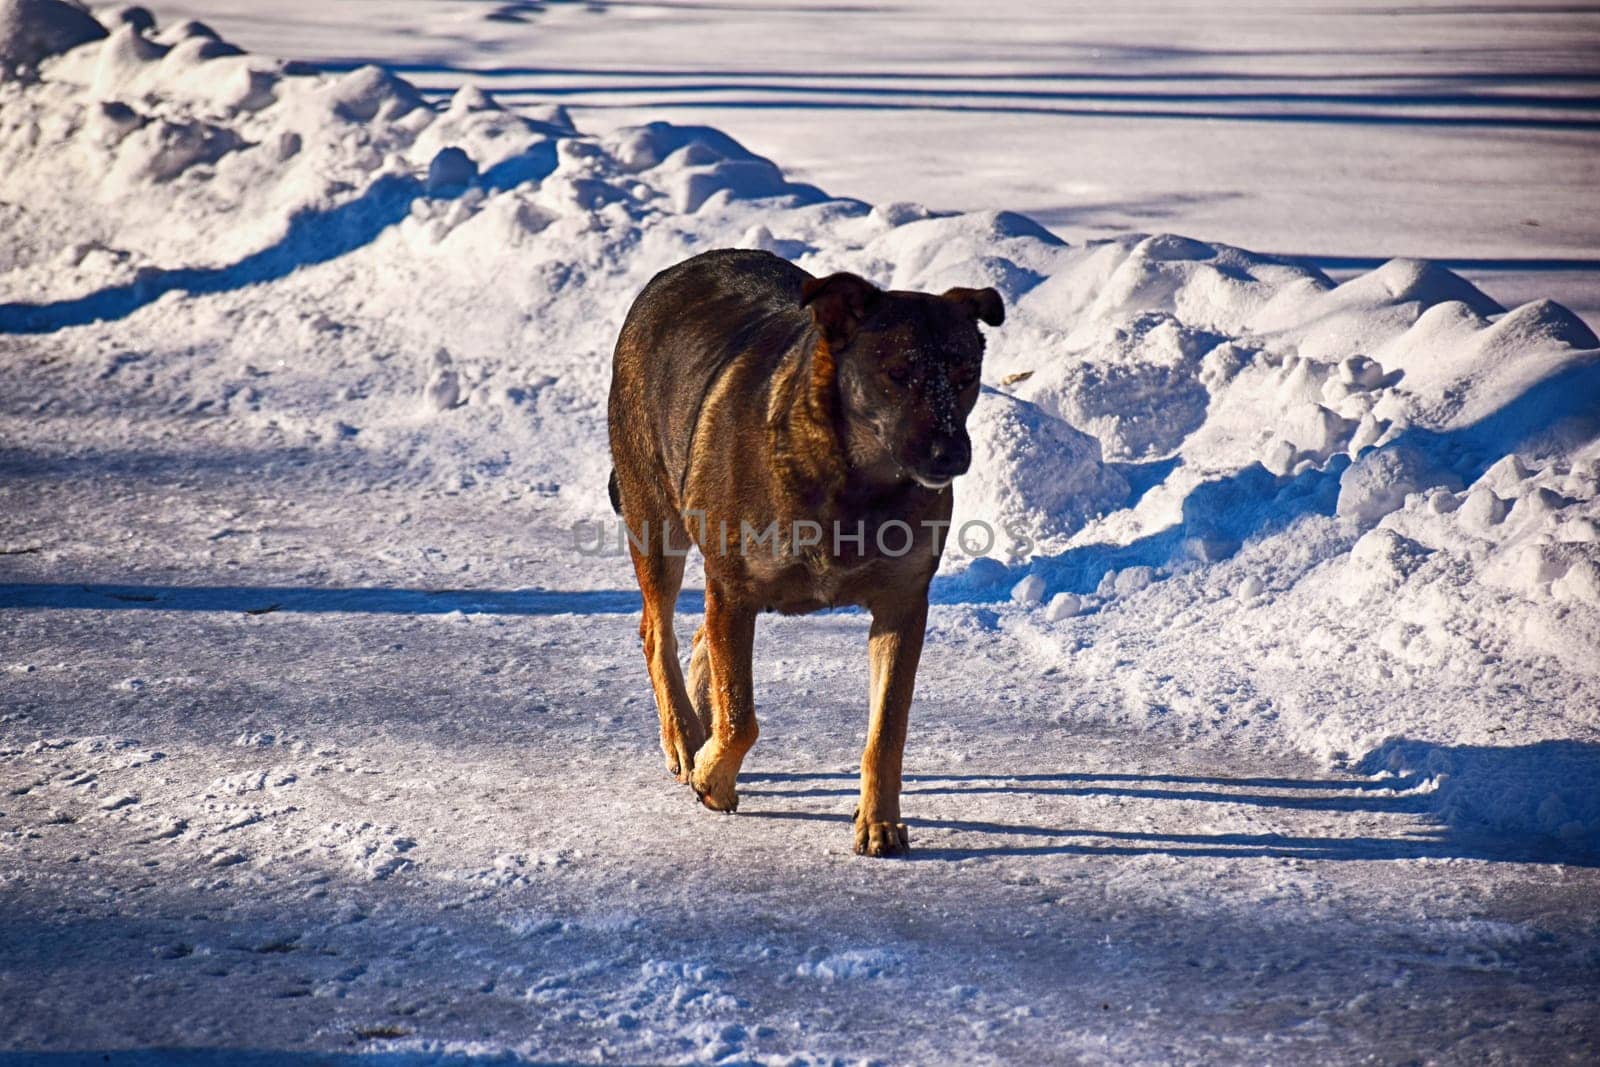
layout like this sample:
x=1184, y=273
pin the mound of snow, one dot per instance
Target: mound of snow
x=852, y=965
x=1211, y=287
x=1032, y=474
x=1133, y=384
x=696, y=163
x=509, y=148
x=1380, y=481
x=34, y=30
x=1001, y=249
x=1403, y=281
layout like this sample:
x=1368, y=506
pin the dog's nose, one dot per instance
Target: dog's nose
x=949, y=458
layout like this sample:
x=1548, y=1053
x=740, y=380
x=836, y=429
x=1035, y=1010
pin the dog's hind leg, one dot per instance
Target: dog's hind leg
x=660, y=576
x=700, y=678
x=729, y=640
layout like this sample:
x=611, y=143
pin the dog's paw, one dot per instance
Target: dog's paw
x=680, y=747
x=715, y=788
x=882, y=839
x=715, y=773
x=680, y=760
x=727, y=803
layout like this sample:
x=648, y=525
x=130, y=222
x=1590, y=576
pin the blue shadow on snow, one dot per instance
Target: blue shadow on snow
x=266, y=600
x=250, y=1057
x=1536, y=803
x=1225, y=512
x=312, y=237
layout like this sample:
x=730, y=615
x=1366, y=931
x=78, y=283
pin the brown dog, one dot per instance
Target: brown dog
x=803, y=434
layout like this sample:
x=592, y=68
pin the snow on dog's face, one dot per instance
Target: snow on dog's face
x=907, y=368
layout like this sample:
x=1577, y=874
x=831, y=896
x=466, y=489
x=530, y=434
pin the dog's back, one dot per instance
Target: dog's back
x=686, y=327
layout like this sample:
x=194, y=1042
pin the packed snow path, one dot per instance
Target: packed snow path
x=427, y=814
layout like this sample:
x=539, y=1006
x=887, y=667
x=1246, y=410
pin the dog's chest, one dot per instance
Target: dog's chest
x=854, y=570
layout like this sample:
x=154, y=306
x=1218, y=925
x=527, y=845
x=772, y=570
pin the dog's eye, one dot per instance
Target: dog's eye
x=899, y=373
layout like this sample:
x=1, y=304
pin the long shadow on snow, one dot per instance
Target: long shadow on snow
x=1225, y=512
x=347, y=64
x=313, y=237
x=1324, y=118
x=1505, y=263
x=1313, y=801
x=267, y=599
x=1488, y=803
x=932, y=98
x=176, y=1056
x=194, y=469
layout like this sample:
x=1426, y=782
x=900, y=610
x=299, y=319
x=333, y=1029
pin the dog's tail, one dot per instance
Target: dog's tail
x=615, y=491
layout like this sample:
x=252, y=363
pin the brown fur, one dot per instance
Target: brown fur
x=747, y=392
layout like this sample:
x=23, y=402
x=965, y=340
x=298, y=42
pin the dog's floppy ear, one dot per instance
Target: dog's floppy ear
x=979, y=303
x=839, y=303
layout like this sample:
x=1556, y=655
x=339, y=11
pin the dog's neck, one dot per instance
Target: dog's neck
x=801, y=409
x=811, y=436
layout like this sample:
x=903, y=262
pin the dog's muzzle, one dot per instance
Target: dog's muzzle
x=942, y=463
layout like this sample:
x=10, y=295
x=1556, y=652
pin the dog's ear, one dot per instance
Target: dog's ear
x=981, y=304
x=839, y=303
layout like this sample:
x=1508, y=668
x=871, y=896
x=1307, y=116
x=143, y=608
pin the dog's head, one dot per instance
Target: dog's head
x=907, y=369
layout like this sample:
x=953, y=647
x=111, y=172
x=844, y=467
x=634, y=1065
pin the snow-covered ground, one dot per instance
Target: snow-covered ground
x=319, y=734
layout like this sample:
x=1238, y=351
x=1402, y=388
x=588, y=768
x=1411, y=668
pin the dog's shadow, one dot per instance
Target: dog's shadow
x=1464, y=802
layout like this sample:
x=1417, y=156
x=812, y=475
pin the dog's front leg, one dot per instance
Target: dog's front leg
x=894, y=648
x=729, y=637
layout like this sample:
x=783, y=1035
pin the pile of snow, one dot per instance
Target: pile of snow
x=1033, y=475
x=32, y=31
x=1392, y=474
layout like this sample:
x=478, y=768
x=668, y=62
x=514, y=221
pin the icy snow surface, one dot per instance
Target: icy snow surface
x=1275, y=733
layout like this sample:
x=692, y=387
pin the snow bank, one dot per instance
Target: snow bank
x=34, y=30
x=1390, y=484
x=1032, y=473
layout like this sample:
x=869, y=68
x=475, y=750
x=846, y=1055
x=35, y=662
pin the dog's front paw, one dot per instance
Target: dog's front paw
x=725, y=801
x=882, y=839
x=713, y=780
